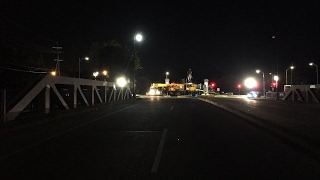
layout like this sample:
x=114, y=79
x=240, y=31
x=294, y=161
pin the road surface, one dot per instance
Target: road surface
x=150, y=138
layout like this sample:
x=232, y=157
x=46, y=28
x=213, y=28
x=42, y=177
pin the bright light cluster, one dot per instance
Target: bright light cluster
x=250, y=83
x=138, y=37
x=252, y=95
x=154, y=92
x=121, y=81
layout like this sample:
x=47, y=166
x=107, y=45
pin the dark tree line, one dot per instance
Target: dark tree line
x=19, y=66
x=117, y=59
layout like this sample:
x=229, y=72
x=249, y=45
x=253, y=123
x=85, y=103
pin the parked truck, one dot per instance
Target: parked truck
x=184, y=89
x=177, y=89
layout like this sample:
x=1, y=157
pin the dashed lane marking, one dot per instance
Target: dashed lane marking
x=159, y=152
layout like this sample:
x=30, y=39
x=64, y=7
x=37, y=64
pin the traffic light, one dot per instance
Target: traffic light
x=239, y=86
x=274, y=84
x=212, y=85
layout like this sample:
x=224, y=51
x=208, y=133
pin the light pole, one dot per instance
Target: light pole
x=271, y=81
x=276, y=78
x=86, y=58
x=105, y=73
x=166, y=81
x=313, y=64
x=137, y=38
x=274, y=37
x=291, y=67
x=287, y=76
x=263, y=82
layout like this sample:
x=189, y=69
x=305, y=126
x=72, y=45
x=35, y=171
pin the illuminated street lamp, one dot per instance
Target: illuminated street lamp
x=276, y=78
x=86, y=58
x=53, y=73
x=250, y=83
x=313, y=64
x=264, y=86
x=105, y=73
x=137, y=38
x=95, y=74
x=121, y=82
x=291, y=67
x=166, y=81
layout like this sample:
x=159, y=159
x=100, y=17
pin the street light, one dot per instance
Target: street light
x=137, y=38
x=105, y=73
x=86, y=58
x=166, y=81
x=271, y=81
x=250, y=83
x=291, y=67
x=95, y=74
x=313, y=64
x=287, y=76
x=121, y=81
x=264, y=86
x=53, y=73
x=276, y=78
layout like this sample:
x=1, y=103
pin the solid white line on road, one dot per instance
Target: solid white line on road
x=159, y=152
x=137, y=131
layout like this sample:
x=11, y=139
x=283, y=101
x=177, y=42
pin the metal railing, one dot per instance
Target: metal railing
x=65, y=91
x=304, y=93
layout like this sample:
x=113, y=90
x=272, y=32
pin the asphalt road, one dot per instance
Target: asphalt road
x=151, y=138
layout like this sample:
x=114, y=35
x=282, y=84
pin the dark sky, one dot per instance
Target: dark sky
x=223, y=41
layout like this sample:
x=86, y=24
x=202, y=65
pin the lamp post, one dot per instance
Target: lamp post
x=276, y=78
x=137, y=38
x=313, y=64
x=263, y=82
x=166, y=81
x=86, y=58
x=274, y=37
x=291, y=67
x=287, y=76
x=271, y=82
x=105, y=73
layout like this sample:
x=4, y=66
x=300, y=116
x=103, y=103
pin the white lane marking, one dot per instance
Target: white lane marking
x=159, y=152
x=137, y=131
x=171, y=108
x=58, y=134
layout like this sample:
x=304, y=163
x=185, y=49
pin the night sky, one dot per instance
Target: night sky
x=223, y=41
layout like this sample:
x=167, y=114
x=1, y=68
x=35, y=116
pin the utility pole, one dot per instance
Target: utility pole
x=58, y=60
